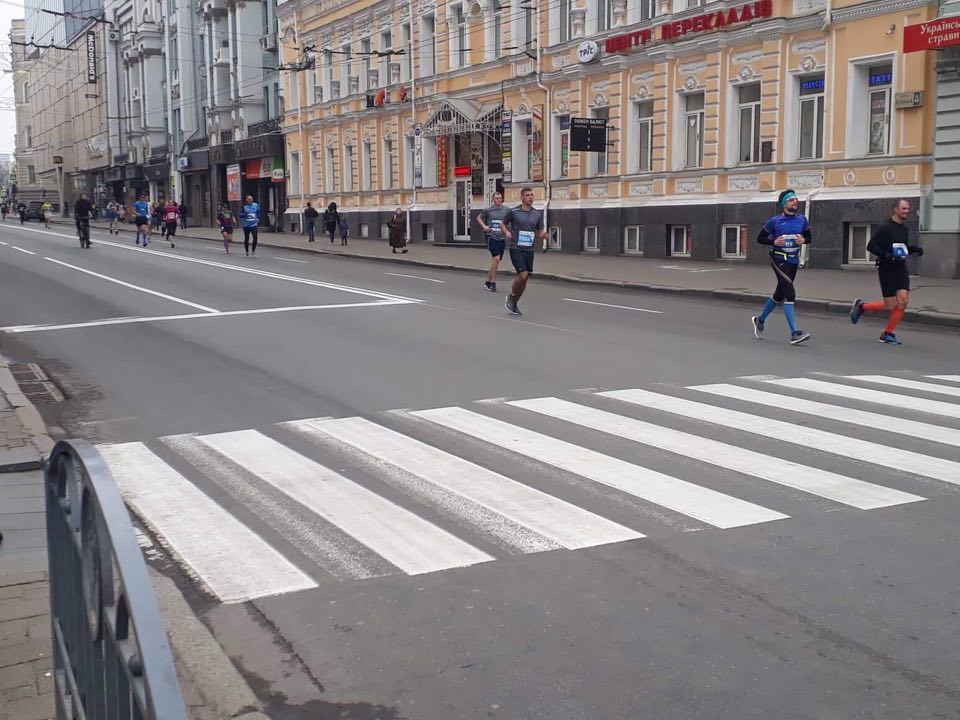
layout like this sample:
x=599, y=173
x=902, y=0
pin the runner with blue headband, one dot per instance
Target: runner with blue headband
x=785, y=233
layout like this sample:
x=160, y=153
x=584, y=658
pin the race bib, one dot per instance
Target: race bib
x=525, y=238
x=900, y=250
x=495, y=227
x=789, y=242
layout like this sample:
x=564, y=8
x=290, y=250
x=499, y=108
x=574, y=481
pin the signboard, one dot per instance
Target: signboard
x=588, y=52
x=233, y=183
x=58, y=159
x=536, y=145
x=91, y=57
x=506, y=138
x=909, y=99
x=679, y=29
x=183, y=163
x=442, y=170
x=588, y=134
x=476, y=163
x=941, y=33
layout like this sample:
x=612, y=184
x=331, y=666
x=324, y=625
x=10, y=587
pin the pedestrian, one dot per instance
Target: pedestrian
x=141, y=211
x=786, y=233
x=491, y=220
x=22, y=211
x=522, y=227
x=4, y=208
x=890, y=245
x=331, y=220
x=171, y=214
x=112, y=217
x=398, y=231
x=47, y=209
x=251, y=220
x=226, y=223
x=344, y=226
x=183, y=215
x=310, y=216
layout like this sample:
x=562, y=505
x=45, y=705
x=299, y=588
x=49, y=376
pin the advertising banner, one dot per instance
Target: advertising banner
x=932, y=35
x=536, y=159
x=233, y=183
x=506, y=139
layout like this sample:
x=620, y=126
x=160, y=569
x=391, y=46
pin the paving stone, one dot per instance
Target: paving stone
x=23, y=561
x=38, y=628
x=38, y=707
x=15, y=540
x=24, y=652
x=17, y=675
x=21, y=609
x=19, y=459
x=21, y=505
x=14, y=631
x=24, y=521
x=18, y=693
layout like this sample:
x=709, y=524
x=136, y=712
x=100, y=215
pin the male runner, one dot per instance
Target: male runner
x=250, y=213
x=491, y=220
x=889, y=244
x=141, y=211
x=522, y=227
x=785, y=233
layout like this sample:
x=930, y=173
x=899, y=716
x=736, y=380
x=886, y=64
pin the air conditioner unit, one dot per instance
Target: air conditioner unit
x=113, y=35
x=268, y=42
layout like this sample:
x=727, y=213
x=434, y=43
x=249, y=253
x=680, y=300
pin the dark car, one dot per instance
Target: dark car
x=35, y=209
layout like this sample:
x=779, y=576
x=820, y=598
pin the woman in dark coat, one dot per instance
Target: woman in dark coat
x=331, y=220
x=398, y=231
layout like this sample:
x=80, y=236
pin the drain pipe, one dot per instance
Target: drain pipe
x=545, y=119
x=413, y=118
x=805, y=249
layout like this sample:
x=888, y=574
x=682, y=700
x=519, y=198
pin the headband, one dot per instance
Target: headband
x=787, y=196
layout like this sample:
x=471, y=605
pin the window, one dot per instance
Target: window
x=522, y=149
x=749, y=110
x=811, y=117
x=384, y=231
x=648, y=9
x=563, y=20
x=563, y=146
x=695, y=3
x=386, y=181
x=315, y=171
x=858, y=235
x=553, y=237
x=327, y=76
x=331, y=163
x=429, y=153
x=600, y=161
x=366, y=177
x=603, y=10
x=408, y=162
x=26, y=91
x=734, y=241
x=346, y=57
x=29, y=134
x=365, y=65
x=693, y=127
x=364, y=230
x=591, y=238
x=880, y=80
x=428, y=45
x=497, y=30
x=386, y=45
x=527, y=19
x=406, y=60
x=31, y=175
x=644, y=135
x=294, y=164
x=679, y=240
x=459, y=52
x=347, y=168
x=633, y=240
x=277, y=100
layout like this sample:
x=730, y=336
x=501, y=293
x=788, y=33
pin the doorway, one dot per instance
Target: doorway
x=461, y=212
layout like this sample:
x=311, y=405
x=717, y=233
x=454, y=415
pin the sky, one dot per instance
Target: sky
x=9, y=9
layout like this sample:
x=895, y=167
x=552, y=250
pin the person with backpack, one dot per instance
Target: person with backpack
x=310, y=216
x=171, y=214
x=331, y=220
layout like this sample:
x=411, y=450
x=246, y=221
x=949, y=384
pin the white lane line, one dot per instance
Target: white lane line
x=138, y=288
x=890, y=400
x=519, y=516
x=232, y=560
x=619, y=307
x=3, y=243
x=909, y=384
x=302, y=262
x=888, y=423
x=678, y=495
x=195, y=316
x=416, y=277
x=948, y=378
x=841, y=489
x=892, y=458
x=20, y=249
x=396, y=534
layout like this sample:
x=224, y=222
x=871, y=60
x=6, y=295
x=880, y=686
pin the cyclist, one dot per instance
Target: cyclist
x=81, y=215
x=141, y=211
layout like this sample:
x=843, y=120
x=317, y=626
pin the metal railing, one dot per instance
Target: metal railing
x=226, y=137
x=111, y=658
x=197, y=143
x=159, y=153
x=263, y=127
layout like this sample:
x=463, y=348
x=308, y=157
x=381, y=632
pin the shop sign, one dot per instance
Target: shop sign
x=266, y=168
x=476, y=164
x=442, y=170
x=588, y=134
x=909, y=99
x=941, y=33
x=233, y=183
x=417, y=156
x=506, y=139
x=588, y=52
x=678, y=29
x=536, y=160
x=91, y=57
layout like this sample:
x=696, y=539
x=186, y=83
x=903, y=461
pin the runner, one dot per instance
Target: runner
x=141, y=211
x=47, y=209
x=112, y=208
x=251, y=220
x=786, y=233
x=171, y=214
x=82, y=209
x=22, y=211
x=889, y=244
x=522, y=227
x=225, y=221
x=491, y=221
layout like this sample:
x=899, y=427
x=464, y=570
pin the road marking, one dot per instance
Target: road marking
x=890, y=400
x=396, y=534
x=706, y=505
x=302, y=262
x=620, y=307
x=519, y=516
x=3, y=243
x=948, y=378
x=416, y=277
x=841, y=489
x=909, y=384
x=892, y=458
x=20, y=249
x=139, y=288
x=900, y=426
x=232, y=560
x=15, y=329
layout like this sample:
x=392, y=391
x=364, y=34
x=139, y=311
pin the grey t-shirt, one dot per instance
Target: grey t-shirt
x=494, y=217
x=524, y=225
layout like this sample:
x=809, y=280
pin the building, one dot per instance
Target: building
x=711, y=109
x=25, y=183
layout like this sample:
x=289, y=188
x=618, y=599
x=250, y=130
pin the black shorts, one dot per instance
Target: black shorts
x=894, y=277
x=227, y=229
x=171, y=228
x=522, y=260
x=141, y=220
x=496, y=246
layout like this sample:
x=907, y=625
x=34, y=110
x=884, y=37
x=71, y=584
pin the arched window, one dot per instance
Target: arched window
x=29, y=134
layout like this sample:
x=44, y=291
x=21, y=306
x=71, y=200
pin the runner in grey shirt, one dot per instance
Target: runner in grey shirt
x=491, y=220
x=523, y=226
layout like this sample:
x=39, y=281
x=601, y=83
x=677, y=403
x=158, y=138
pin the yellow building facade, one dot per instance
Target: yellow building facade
x=711, y=109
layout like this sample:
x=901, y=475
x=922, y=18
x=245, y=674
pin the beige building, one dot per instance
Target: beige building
x=711, y=108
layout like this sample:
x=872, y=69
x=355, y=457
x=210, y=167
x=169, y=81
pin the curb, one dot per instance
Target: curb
x=927, y=317
x=31, y=457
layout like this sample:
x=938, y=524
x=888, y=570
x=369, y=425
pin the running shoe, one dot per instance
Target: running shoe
x=798, y=337
x=757, y=326
x=486, y=285
x=856, y=311
x=888, y=338
x=511, y=304
x=493, y=287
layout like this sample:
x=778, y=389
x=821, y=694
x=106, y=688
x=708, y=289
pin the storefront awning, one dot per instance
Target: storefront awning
x=460, y=117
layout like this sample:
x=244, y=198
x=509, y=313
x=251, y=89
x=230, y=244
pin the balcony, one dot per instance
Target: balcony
x=160, y=153
x=264, y=127
x=198, y=143
x=226, y=137
x=121, y=159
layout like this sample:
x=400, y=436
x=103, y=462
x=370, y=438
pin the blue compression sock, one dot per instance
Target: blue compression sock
x=791, y=318
x=767, y=309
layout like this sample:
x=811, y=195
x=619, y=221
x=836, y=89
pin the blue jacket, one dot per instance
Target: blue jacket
x=250, y=215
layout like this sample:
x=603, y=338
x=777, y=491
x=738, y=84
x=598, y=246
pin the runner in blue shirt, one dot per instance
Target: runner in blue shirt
x=141, y=210
x=250, y=214
x=785, y=233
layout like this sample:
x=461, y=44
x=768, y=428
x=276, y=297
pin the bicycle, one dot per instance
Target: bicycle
x=83, y=231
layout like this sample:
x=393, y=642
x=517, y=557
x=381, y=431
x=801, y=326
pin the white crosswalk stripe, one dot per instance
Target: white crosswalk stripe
x=947, y=378
x=908, y=384
x=683, y=497
x=852, y=392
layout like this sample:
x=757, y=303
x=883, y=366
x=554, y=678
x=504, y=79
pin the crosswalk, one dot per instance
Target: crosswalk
x=258, y=512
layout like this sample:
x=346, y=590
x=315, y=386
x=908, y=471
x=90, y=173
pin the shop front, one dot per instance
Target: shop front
x=220, y=158
x=195, y=187
x=262, y=176
x=158, y=177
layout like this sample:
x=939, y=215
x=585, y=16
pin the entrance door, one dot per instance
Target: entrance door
x=461, y=212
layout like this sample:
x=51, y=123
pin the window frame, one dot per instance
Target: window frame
x=743, y=241
x=644, y=147
x=867, y=259
x=554, y=237
x=386, y=164
x=600, y=161
x=886, y=91
x=638, y=231
x=752, y=109
x=686, y=240
x=347, y=180
x=591, y=233
x=700, y=116
x=818, y=101
x=329, y=171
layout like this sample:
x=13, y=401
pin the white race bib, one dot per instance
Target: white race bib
x=525, y=238
x=900, y=250
x=495, y=227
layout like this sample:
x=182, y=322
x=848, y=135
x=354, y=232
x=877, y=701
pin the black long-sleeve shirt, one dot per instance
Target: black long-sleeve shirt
x=883, y=239
x=82, y=208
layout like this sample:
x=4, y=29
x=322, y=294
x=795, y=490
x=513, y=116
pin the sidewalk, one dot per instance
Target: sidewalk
x=932, y=300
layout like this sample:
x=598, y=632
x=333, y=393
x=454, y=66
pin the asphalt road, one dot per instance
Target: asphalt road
x=467, y=528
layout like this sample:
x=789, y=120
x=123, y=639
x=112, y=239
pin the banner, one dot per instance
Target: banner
x=506, y=141
x=417, y=156
x=233, y=183
x=442, y=171
x=536, y=159
x=476, y=163
x=91, y=57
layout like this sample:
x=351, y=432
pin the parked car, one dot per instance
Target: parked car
x=35, y=209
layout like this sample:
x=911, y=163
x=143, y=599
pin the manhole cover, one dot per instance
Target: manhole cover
x=35, y=385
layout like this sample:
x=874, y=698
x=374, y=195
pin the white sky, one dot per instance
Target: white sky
x=9, y=9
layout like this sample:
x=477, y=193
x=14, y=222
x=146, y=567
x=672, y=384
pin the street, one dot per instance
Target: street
x=389, y=498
